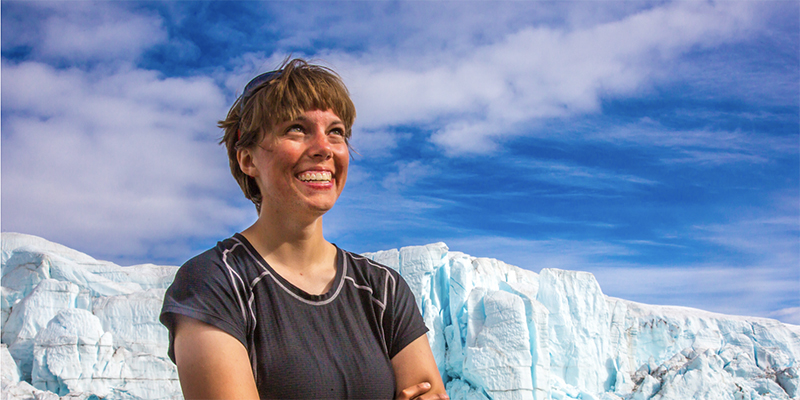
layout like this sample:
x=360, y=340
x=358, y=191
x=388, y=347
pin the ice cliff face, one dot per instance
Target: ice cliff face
x=80, y=328
x=74, y=327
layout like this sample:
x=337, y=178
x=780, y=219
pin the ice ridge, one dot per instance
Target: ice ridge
x=77, y=328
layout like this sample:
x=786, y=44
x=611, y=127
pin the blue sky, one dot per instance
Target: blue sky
x=654, y=144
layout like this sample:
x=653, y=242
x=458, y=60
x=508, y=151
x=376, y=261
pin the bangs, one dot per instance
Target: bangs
x=298, y=90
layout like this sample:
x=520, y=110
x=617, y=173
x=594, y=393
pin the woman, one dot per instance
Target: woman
x=277, y=311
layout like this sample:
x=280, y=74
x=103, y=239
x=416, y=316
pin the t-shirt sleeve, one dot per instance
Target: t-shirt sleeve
x=406, y=323
x=208, y=291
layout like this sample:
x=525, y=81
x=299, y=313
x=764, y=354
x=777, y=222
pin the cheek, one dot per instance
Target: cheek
x=281, y=159
x=343, y=162
x=341, y=154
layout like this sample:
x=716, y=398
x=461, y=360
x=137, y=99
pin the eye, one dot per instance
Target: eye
x=296, y=129
x=336, y=135
x=337, y=131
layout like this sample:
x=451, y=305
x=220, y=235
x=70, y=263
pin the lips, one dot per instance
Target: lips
x=315, y=176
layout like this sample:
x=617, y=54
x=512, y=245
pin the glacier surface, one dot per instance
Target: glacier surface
x=77, y=328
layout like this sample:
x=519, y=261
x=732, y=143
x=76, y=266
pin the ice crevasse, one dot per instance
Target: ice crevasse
x=78, y=328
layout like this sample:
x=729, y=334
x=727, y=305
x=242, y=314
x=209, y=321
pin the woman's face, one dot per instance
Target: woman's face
x=302, y=168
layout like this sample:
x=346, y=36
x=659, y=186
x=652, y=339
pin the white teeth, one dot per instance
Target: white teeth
x=320, y=176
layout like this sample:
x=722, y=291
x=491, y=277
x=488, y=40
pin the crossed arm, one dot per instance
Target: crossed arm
x=212, y=364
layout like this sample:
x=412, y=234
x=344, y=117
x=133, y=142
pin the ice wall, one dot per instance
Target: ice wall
x=500, y=332
x=74, y=327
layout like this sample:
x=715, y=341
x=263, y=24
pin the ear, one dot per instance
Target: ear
x=245, y=158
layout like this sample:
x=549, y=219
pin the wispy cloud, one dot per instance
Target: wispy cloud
x=566, y=174
x=121, y=156
x=534, y=254
x=771, y=236
x=790, y=315
x=709, y=147
x=743, y=291
x=369, y=217
x=478, y=99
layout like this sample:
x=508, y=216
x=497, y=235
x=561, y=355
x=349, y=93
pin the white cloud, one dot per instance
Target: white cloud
x=374, y=144
x=476, y=83
x=85, y=31
x=492, y=92
x=118, y=161
x=408, y=173
x=108, y=37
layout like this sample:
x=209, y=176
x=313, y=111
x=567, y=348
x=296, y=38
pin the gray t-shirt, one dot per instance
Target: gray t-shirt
x=301, y=346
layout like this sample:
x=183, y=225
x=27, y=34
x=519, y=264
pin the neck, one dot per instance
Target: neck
x=298, y=245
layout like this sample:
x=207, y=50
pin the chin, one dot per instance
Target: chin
x=320, y=208
x=323, y=209
x=322, y=203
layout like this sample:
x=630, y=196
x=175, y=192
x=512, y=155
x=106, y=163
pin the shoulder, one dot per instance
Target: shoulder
x=226, y=261
x=365, y=271
x=368, y=266
x=210, y=259
x=366, y=263
x=212, y=287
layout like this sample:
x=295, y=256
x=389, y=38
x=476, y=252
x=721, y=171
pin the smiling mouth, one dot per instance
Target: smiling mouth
x=315, y=176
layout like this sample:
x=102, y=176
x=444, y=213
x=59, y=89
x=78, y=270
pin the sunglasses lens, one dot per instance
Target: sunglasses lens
x=256, y=82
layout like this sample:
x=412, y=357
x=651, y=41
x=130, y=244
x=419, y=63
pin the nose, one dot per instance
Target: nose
x=320, y=146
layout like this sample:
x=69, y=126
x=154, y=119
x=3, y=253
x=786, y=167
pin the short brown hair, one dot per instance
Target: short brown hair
x=296, y=88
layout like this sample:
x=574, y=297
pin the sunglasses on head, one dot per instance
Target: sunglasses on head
x=253, y=86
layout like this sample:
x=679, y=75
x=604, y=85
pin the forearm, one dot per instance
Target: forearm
x=415, y=367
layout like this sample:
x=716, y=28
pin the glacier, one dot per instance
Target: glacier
x=74, y=327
